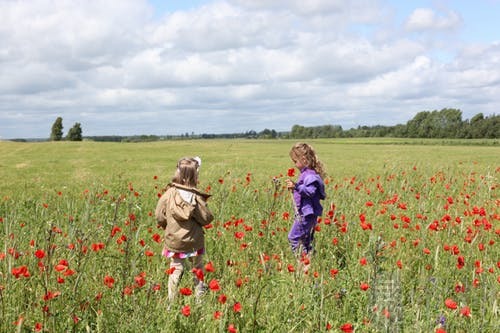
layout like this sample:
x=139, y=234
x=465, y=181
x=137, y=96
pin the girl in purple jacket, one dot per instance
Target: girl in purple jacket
x=307, y=193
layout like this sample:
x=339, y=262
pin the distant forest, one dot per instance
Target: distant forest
x=443, y=124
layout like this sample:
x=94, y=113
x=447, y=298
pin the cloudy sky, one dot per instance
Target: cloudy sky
x=134, y=67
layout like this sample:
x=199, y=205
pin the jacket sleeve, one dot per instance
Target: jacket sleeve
x=202, y=214
x=311, y=186
x=160, y=212
x=307, y=187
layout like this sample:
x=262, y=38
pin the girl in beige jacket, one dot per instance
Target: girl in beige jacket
x=182, y=212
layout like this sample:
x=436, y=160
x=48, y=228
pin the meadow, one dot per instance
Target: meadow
x=408, y=240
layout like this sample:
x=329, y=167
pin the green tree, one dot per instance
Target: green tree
x=452, y=123
x=446, y=123
x=57, y=130
x=75, y=133
x=417, y=126
x=268, y=134
x=485, y=127
x=298, y=132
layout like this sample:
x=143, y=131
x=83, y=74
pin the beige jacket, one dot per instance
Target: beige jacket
x=182, y=211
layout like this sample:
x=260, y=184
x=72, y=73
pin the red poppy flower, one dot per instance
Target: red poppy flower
x=217, y=314
x=238, y=282
x=459, y=288
x=185, y=291
x=237, y=307
x=186, y=310
x=97, y=247
x=198, y=273
x=156, y=238
x=465, y=311
x=232, y=329
x=39, y=254
x=109, y=281
x=209, y=267
x=115, y=230
x=222, y=299
x=347, y=328
x=20, y=271
x=291, y=172
x=50, y=295
x=127, y=291
x=140, y=279
x=60, y=267
x=214, y=285
x=450, y=304
x=364, y=286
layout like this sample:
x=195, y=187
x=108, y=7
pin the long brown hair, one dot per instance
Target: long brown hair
x=306, y=151
x=187, y=172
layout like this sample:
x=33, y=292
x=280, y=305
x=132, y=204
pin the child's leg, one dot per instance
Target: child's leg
x=198, y=284
x=295, y=235
x=309, y=224
x=300, y=234
x=174, y=278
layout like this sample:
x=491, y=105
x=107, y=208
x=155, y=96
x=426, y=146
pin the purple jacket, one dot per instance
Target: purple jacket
x=308, y=192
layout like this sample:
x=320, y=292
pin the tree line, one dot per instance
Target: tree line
x=443, y=124
x=74, y=133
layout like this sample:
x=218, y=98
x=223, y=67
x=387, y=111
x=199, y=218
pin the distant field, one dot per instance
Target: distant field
x=35, y=165
x=409, y=239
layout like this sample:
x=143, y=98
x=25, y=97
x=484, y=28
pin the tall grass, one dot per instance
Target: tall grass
x=409, y=233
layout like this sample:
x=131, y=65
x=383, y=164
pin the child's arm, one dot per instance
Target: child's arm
x=202, y=214
x=308, y=187
x=160, y=212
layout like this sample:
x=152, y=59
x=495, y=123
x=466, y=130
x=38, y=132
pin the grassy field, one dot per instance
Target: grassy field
x=409, y=239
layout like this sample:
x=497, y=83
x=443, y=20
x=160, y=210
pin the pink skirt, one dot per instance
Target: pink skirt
x=182, y=255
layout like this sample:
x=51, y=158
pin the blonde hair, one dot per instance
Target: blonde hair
x=187, y=172
x=306, y=151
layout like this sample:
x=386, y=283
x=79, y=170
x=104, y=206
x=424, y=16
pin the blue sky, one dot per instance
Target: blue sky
x=171, y=67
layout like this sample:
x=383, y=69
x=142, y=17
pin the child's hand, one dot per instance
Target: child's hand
x=290, y=184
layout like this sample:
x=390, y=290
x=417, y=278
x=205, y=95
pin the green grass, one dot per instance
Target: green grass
x=90, y=206
x=30, y=165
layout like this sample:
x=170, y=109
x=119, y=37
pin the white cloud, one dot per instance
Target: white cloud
x=120, y=69
x=406, y=81
x=426, y=19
